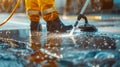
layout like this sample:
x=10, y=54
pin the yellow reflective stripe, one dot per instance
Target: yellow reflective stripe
x=33, y=12
x=48, y=11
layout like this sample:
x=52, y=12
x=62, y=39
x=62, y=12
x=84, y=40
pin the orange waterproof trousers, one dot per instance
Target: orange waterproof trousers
x=37, y=8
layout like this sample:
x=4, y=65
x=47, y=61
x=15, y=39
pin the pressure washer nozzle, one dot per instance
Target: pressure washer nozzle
x=88, y=28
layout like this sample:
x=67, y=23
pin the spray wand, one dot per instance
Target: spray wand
x=86, y=27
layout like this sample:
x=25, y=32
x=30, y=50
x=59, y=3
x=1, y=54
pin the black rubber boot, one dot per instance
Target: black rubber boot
x=57, y=26
x=35, y=26
x=35, y=29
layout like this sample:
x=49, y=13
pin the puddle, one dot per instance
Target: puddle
x=83, y=49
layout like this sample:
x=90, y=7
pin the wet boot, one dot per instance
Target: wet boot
x=35, y=28
x=56, y=25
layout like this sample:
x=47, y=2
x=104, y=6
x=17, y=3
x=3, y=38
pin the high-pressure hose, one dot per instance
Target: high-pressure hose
x=11, y=14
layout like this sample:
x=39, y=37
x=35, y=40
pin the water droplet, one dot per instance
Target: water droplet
x=37, y=56
x=109, y=47
x=105, y=43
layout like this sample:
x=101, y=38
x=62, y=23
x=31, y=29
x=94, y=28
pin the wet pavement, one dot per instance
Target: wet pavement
x=82, y=49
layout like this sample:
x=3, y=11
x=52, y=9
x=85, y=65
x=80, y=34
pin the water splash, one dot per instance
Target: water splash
x=72, y=31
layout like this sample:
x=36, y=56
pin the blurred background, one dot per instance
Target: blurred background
x=69, y=7
x=103, y=14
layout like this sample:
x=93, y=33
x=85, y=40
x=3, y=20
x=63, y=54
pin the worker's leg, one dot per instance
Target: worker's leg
x=33, y=11
x=50, y=15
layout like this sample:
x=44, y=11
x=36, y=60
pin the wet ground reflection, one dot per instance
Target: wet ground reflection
x=83, y=49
